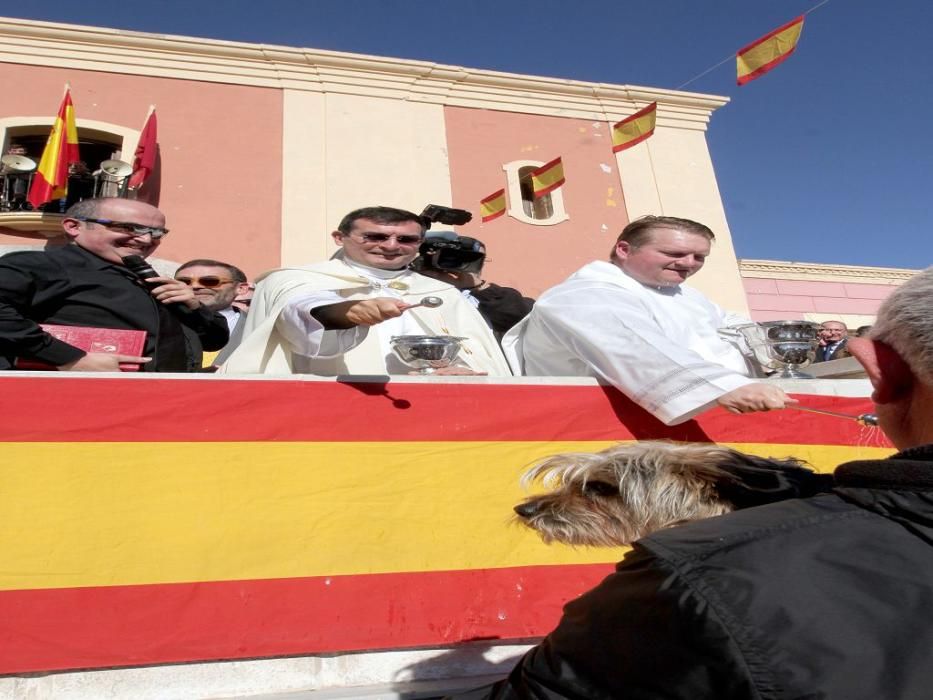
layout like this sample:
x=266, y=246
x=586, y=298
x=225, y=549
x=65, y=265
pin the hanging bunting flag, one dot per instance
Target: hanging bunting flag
x=51, y=178
x=634, y=129
x=762, y=55
x=146, y=149
x=547, y=178
x=493, y=206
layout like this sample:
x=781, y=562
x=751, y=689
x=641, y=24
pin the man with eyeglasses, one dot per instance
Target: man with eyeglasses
x=86, y=283
x=834, y=336
x=338, y=317
x=218, y=285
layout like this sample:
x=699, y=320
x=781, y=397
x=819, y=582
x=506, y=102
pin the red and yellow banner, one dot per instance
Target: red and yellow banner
x=157, y=520
x=773, y=48
x=51, y=178
x=634, y=129
x=547, y=178
x=493, y=206
x=146, y=151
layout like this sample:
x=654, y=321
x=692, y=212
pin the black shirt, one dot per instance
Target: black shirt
x=71, y=286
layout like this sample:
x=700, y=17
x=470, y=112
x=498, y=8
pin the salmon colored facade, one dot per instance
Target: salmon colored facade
x=480, y=141
x=263, y=149
x=219, y=174
x=780, y=290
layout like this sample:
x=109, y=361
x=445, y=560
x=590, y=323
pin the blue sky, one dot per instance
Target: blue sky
x=828, y=158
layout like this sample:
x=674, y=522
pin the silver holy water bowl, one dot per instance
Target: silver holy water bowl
x=426, y=353
x=782, y=345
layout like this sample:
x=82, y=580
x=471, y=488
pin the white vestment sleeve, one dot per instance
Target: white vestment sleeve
x=604, y=331
x=305, y=333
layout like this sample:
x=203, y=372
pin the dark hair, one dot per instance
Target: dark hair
x=638, y=232
x=235, y=272
x=379, y=215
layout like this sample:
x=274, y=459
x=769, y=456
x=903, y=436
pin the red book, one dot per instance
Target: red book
x=114, y=340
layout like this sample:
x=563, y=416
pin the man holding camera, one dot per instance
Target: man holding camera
x=459, y=260
x=338, y=317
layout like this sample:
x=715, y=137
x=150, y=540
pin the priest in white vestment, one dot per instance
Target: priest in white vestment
x=338, y=317
x=632, y=323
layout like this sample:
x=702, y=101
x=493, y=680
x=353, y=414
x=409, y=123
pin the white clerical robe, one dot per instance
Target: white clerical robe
x=281, y=337
x=660, y=347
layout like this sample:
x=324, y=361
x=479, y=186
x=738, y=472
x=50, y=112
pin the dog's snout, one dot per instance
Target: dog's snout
x=527, y=509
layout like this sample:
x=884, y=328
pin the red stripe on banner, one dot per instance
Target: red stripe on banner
x=494, y=195
x=758, y=72
x=773, y=33
x=60, y=409
x=70, y=628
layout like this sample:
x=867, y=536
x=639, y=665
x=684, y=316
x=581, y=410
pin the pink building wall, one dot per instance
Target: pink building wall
x=220, y=148
x=530, y=257
x=777, y=299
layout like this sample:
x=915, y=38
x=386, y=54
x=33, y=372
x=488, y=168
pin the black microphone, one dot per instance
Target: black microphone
x=137, y=265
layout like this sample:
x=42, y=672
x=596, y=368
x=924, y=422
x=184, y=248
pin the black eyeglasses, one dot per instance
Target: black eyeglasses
x=384, y=237
x=126, y=227
x=208, y=281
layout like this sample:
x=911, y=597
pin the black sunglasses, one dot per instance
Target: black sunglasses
x=126, y=227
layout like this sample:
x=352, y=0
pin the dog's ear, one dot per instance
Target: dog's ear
x=747, y=480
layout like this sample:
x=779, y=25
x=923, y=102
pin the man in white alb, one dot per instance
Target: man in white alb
x=632, y=323
x=337, y=317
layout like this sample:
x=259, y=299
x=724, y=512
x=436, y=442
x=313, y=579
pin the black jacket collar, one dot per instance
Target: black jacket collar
x=910, y=470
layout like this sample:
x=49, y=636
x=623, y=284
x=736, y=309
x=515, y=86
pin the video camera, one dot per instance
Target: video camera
x=445, y=250
x=435, y=213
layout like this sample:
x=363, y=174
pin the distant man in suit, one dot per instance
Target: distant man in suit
x=218, y=285
x=834, y=339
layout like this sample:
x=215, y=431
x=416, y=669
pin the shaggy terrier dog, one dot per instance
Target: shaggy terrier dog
x=614, y=497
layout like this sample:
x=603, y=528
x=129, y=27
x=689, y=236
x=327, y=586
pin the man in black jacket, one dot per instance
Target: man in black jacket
x=85, y=283
x=818, y=598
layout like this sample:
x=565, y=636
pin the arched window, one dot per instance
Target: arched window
x=546, y=210
x=537, y=208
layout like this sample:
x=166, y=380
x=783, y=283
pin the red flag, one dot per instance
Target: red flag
x=146, y=150
x=762, y=55
x=493, y=206
x=51, y=178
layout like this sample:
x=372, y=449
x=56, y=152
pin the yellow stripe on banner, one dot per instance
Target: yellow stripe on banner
x=96, y=514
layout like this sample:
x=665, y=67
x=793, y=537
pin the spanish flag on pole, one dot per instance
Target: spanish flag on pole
x=634, y=129
x=773, y=48
x=547, y=178
x=493, y=206
x=51, y=178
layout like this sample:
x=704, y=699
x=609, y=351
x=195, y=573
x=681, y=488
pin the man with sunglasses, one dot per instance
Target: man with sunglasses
x=218, y=285
x=86, y=283
x=338, y=317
